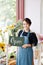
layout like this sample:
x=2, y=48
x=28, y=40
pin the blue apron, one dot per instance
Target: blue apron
x=24, y=55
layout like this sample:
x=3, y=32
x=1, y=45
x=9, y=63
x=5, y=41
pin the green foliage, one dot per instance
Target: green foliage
x=12, y=55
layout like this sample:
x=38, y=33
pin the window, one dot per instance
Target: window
x=7, y=17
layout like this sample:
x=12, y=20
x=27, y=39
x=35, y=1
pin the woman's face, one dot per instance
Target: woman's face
x=26, y=26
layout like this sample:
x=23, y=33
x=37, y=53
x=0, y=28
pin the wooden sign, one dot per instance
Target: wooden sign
x=16, y=41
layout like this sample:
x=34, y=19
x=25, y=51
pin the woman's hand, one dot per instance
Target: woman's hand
x=26, y=45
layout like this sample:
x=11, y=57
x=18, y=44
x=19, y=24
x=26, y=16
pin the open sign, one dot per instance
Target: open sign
x=16, y=41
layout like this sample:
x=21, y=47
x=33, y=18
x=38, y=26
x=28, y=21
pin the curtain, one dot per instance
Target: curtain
x=19, y=9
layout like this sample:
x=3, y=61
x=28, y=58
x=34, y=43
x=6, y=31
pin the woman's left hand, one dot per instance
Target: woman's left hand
x=25, y=46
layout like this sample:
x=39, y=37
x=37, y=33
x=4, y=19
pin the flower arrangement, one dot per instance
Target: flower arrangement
x=17, y=27
x=11, y=29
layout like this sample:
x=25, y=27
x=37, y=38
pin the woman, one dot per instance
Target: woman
x=25, y=53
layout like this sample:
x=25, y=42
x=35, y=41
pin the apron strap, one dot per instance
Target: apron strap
x=21, y=33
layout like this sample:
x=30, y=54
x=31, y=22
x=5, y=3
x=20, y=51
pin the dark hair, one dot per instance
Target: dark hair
x=28, y=21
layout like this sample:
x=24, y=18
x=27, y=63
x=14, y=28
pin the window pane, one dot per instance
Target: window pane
x=7, y=11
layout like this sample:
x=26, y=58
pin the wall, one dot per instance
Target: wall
x=41, y=16
x=32, y=11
